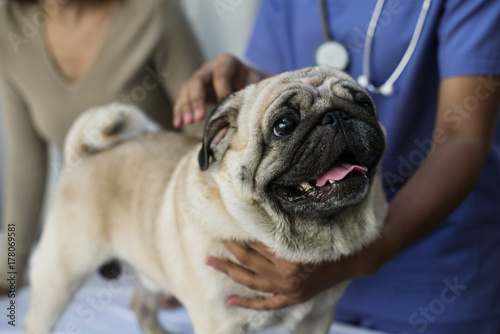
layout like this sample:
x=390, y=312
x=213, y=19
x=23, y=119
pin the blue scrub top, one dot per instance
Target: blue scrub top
x=453, y=274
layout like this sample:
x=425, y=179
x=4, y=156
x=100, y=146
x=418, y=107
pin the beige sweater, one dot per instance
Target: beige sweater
x=149, y=51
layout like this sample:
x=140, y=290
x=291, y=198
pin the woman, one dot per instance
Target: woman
x=59, y=58
x=435, y=266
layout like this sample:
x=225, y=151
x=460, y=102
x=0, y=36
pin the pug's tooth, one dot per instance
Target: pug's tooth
x=331, y=181
x=305, y=186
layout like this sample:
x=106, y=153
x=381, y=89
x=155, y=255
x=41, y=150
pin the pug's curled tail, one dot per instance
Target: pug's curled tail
x=103, y=127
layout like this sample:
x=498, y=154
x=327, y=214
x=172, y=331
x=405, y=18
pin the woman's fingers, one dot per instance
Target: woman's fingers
x=181, y=106
x=197, y=92
x=215, y=79
x=224, y=74
x=190, y=104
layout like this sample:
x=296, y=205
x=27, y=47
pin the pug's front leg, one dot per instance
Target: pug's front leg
x=145, y=304
x=318, y=323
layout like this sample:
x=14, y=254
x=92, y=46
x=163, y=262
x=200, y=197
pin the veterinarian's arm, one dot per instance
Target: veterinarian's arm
x=214, y=81
x=438, y=187
x=453, y=168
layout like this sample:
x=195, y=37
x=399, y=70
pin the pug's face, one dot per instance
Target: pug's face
x=301, y=151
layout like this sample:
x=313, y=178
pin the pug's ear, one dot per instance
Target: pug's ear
x=219, y=129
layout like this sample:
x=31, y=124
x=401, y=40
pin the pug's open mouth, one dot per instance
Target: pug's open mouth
x=342, y=181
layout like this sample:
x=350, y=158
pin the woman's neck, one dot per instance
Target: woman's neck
x=73, y=11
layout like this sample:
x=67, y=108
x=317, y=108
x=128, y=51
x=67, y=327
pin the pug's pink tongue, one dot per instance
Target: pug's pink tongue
x=337, y=173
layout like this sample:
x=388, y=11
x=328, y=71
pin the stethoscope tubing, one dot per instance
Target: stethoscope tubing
x=364, y=80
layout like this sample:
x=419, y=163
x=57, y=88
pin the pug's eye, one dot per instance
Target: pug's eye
x=285, y=125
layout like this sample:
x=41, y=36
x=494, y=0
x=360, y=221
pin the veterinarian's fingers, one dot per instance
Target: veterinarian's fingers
x=241, y=275
x=273, y=302
x=252, y=260
x=248, y=249
x=263, y=250
x=285, y=273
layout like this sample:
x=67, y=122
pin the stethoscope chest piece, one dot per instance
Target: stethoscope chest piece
x=386, y=89
x=333, y=54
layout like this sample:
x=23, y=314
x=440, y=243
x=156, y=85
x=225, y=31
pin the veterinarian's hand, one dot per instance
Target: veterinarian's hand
x=214, y=81
x=290, y=283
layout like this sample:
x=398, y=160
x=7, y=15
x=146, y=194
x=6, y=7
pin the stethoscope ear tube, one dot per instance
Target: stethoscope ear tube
x=324, y=21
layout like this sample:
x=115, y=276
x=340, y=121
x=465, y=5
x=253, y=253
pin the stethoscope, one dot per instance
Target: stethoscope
x=335, y=54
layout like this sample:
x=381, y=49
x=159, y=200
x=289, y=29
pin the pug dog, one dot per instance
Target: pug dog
x=291, y=162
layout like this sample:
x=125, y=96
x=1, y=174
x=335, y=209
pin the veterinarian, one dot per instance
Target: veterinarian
x=433, y=68
x=60, y=58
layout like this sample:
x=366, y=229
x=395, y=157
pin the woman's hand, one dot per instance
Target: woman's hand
x=214, y=81
x=290, y=283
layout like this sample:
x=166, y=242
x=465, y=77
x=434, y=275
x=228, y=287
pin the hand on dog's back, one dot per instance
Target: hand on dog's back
x=214, y=81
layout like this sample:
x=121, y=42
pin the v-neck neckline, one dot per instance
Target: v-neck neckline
x=55, y=67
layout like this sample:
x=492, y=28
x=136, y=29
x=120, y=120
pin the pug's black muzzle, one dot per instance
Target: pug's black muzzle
x=333, y=167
